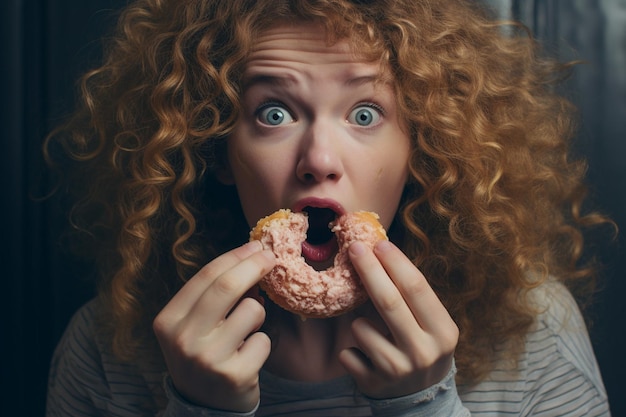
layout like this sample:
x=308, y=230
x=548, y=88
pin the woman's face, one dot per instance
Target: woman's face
x=318, y=128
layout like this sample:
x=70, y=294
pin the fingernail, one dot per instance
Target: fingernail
x=383, y=246
x=254, y=246
x=357, y=248
x=269, y=255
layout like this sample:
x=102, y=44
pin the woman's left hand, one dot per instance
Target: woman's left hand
x=416, y=349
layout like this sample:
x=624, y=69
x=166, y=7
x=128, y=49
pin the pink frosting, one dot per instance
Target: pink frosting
x=295, y=285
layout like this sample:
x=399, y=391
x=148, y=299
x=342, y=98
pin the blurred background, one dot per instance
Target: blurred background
x=46, y=44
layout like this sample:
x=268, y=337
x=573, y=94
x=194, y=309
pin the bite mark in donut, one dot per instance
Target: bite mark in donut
x=299, y=288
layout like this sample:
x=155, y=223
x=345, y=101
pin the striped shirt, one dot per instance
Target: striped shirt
x=557, y=376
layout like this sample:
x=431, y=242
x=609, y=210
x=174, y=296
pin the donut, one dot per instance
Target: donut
x=296, y=286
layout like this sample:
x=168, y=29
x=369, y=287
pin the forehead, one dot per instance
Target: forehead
x=303, y=49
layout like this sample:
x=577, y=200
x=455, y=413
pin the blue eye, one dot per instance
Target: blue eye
x=366, y=115
x=274, y=115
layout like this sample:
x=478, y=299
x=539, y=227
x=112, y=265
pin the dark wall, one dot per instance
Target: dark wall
x=46, y=44
x=594, y=32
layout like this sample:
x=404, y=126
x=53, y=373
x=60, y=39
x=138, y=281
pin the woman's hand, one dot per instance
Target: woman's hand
x=210, y=338
x=413, y=348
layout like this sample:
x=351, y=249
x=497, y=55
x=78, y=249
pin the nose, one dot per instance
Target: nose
x=320, y=155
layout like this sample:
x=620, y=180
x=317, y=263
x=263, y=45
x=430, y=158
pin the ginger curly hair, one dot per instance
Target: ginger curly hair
x=492, y=209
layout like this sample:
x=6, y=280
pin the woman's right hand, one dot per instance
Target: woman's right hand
x=210, y=339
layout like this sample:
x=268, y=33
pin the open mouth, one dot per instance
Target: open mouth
x=320, y=245
x=319, y=231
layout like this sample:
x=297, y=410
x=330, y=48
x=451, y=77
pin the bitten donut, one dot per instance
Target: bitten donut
x=296, y=286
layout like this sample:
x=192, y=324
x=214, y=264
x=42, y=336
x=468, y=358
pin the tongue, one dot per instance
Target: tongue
x=319, y=253
x=321, y=244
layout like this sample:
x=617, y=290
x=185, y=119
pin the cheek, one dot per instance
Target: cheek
x=241, y=164
x=388, y=185
x=387, y=189
x=259, y=168
x=259, y=180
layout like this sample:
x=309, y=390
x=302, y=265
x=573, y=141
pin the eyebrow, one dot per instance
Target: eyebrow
x=282, y=81
x=365, y=79
x=287, y=80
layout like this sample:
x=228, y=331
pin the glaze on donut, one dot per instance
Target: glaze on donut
x=296, y=286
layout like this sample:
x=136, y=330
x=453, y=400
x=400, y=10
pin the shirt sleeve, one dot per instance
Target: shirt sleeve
x=441, y=399
x=177, y=406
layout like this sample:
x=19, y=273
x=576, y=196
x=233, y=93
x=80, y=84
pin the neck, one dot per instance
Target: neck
x=308, y=350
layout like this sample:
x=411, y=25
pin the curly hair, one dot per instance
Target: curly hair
x=493, y=207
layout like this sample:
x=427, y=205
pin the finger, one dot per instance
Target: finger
x=255, y=351
x=221, y=296
x=383, y=355
x=357, y=364
x=186, y=297
x=424, y=304
x=245, y=319
x=384, y=294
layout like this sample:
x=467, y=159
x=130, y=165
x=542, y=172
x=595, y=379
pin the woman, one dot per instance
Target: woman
x=208, y=115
